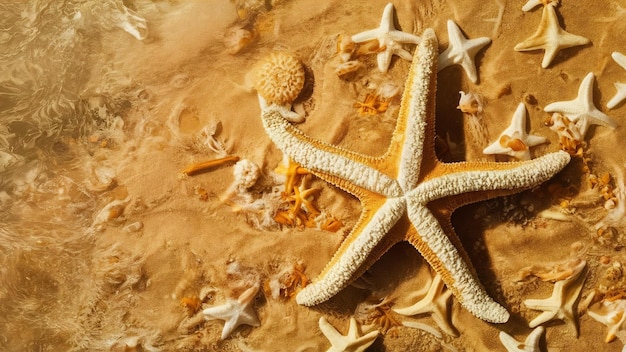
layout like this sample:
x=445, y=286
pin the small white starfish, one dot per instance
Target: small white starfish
x=621, y=87
x=614, y=318
x=461, y=51
x=582, y=110
x=351, y=342
x=235, y=312
x=561, y=304
x=407, y=194
x=531, y=344
x=531, y=4
x=390, y=39
x=550, y=37
x=436, y=303
x=514, y=140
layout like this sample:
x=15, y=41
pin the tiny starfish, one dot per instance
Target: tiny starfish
x=408, y=194
x=235, y=312
x=514, y=140
x=581, y=110
x=436, y=302
x=550, y=37
x=621, y=87
x=390, y=39
x=531, y=344
x=351, y=342
x=531, y=4
x=561, y=304
x=461, y=51
x=614, y=319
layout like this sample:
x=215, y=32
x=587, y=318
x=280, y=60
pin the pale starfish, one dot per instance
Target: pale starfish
x=621, y=87
x=408, y=194
x=614, y=318
x=582, y=110
x=461, y=51
x=390, y=40
x=351, y=342
x=561, y=304
x=531, y=4
x=531, y=344
x=514, y=140
x=436, y=303
x=235, y=312
x=550, y=37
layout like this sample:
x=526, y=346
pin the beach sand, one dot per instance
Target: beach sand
x=136, y=276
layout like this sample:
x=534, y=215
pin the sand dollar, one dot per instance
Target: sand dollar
x=278, y=78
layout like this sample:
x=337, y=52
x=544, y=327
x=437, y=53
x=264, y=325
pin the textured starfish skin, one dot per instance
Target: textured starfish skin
x=408, y=194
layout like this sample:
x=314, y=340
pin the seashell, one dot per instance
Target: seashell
x=236, y=39
x=348, y=67
x=278, y=78
x=134, y=227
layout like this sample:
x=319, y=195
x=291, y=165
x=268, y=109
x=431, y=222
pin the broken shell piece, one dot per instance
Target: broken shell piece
x=557, y=272
x=470, y=103
x=345, y=47
x=236, y=39
x=134, y=227
x=111, y=211
x=347, y=67
x=569, y=134
x=279, y=78
x=613, y=315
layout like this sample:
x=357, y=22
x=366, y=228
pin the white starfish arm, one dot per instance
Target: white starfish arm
x=402, y=53
x=221, y=312
x=403, y=37
x=384, y=60
x=320, y=156
x=368, y=35
x=531, y=4
x=336, y=277
x=413, y=113
x=445, y=259
x=619, y=58
x=531, y=344
x=543, y=317
x=619, y=96
x=524, y=174
x=532, y=140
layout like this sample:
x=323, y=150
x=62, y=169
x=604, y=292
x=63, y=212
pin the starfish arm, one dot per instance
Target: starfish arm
x=318, y=156
x=386, y=22
x=500, y=176
x=356, y=253
x=569, y=107
x=417, y=114
x=445, y=259
x=384, y=60
x=446, y=58
x=329, y=331
x=530, y=4
x=542, y=318
x=221, y=312
x=619, y=58
x=533, y=140
x=619, y=96
x=368, y=35
x=403, y=37
x=402, y=53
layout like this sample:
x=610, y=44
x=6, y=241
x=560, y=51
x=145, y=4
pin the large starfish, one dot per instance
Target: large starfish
x=407, y=193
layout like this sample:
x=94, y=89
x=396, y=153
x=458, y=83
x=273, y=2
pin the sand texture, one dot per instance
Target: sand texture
x=107, y=245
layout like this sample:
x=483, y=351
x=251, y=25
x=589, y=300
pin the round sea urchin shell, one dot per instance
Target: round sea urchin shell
x=279, y=78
